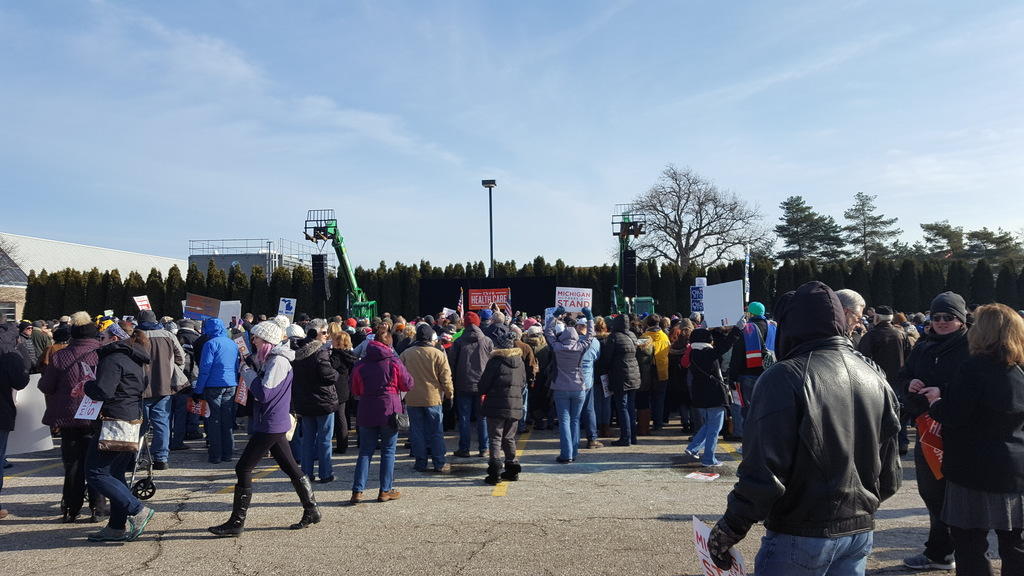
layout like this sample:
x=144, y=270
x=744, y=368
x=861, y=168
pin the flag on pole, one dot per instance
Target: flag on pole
x=458, y=307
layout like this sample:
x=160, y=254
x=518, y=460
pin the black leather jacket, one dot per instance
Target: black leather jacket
x=820, y=442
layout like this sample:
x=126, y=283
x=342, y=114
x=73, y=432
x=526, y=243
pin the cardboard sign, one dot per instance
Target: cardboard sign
x=484, y=297
x=574, y=299
x=930, y=433
x=88, y=409
x=142, y=302
x=243, y=349
x=287, y=307
x=201, y=307
x=701, y=532
x=229, y=311
x=722, y=303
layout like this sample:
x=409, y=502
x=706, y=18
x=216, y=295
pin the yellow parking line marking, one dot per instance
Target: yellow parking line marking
x=502, y=488
x=34, y=470
x=261, y=473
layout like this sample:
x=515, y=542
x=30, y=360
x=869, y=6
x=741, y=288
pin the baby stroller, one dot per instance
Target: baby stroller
x=143, y=489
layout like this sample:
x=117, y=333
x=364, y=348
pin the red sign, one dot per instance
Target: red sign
x=930, y=433
x=484, y=297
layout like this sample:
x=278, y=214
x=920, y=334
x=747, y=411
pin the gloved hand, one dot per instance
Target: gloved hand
x=586, y=312
x=559, y=311
x=720, y=541
x=741, y=323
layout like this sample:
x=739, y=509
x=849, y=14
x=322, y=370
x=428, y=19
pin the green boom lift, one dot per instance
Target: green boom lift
x=322, y=227
x=628, y=222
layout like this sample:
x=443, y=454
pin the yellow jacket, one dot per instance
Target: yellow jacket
x=660, y=345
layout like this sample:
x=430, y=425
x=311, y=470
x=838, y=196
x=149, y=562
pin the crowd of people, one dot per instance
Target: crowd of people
x=822, y=396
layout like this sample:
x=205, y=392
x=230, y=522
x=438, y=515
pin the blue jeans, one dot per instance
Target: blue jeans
x=317, y=432
x=468, y=405
x=588, y=418
x=157, y=415
x=783, y=554
x=179, y=418
x=426, y=431
x=658, y=392
x=368, y=436
x=3, y=455
x=707, y=437
x=220, y=425
x=602, y=406
x=569, y=405
x=105, y=472
x=626, y=405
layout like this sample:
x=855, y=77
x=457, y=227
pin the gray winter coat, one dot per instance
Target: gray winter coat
x=468, y=356
x=568, y=349
x=618, y=357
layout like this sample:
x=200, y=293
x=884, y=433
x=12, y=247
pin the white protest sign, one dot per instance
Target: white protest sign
x=287, y=307
x=548, y=313
x=701, y=532
x=108, y=313
x=574, y=299
x=142, y=302
x=723, y=303
x=88, y=409
x=29, y=434
x=447, y=312
x=229, y=310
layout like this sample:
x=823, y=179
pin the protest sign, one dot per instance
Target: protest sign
x=702, y=476
x=88, y=409
x=447, y=312
x=108, y=313
x=229, y=311
x=574, y=299
x=483, y=297
x=722, y=303
x=930, y=433
x=29, y=434
x=286, y=307
x=548, y=313
x=198, y=407
x=142, y=302
x=201, y=307
x=701, y=532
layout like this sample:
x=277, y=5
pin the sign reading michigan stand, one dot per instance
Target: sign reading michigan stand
x=574, y=299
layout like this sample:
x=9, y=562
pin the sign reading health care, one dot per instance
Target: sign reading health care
x=483, y=297
x=574, y=299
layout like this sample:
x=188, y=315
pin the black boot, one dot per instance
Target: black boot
x=493, y=469
x=235, y=524
x=511, y=472
x=310, y=511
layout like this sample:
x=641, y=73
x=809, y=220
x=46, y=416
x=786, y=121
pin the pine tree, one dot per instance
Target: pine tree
x=906, y=288
x=803, y=272
x=195, y=282
x=216, y=281
x=94, y=296
x=882, y=274
x=798, y=228
x=932, y=283
x=54, y=303
x=238, y=287
x=665, y=292
x=834, y=276
x=859, y=279
x=958, y=279
x=34, y=294
x=174, y=292
x=74, y=292
x=784, y=279
x=260, y=292
x=761, y=282
x=868, y=231
x=1006, y=285
x=280, y=287
x=134, y=285
x=113, y=293
x=155, y=292
x=829, y=240
x=983, y=285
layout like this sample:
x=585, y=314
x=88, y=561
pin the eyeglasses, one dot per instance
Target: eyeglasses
x=943, y=317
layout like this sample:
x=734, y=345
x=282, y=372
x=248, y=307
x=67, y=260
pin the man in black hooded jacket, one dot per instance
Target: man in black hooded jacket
x=828, y=455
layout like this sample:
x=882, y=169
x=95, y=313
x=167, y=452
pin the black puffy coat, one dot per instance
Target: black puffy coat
x=313, y=391
x=888, y=346
x=708, y=388
x=502, y=382
x=13, y=373
x=618, y=357
x=120, y=380
x=935, y=360
x=342, y=361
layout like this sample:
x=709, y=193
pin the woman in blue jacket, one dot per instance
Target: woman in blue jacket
x=568, y=347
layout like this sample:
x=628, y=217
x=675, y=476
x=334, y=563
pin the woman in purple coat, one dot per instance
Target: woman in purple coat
x=270, y=396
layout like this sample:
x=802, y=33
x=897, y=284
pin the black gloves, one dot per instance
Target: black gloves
x=720, y=541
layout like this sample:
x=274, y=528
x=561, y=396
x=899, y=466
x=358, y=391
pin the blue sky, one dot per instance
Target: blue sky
x=141, y=125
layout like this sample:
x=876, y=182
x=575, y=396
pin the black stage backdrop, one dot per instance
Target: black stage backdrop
x=530, y=295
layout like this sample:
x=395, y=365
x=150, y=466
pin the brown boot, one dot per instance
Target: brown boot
x=356, y=498
x=389, y=495
x=643, y=422
x=595, y=443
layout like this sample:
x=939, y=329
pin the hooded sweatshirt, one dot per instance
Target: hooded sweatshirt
x=568, y=348
x=377, y=380
x=218, y=362
x=272, y=392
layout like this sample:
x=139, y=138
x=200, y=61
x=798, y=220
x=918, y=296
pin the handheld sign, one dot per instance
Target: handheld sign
x=286, y=307
x=723, y=303
x=198, y=407
x=701, y=532
x=88, y=409
x=574, y=299
x=142, y=302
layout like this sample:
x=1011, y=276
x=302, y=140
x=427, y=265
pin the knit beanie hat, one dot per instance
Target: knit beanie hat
x=756, y=308
x=146, y=316
x=424, y=332
x=269, y=331
x=82, y=326
x=472, y=318
x=351, y=322
x=502, y=336
x=950, y=303
x=485, y=315
x=702, y=335
x=282, y=321
x=295, y=331
x=528, y=323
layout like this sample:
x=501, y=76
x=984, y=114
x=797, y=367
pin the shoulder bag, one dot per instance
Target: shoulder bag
x=119, y=435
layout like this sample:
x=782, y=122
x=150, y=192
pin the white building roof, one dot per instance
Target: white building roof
x=52, y=255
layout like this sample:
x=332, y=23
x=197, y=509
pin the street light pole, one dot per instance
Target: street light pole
x=490, y=184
